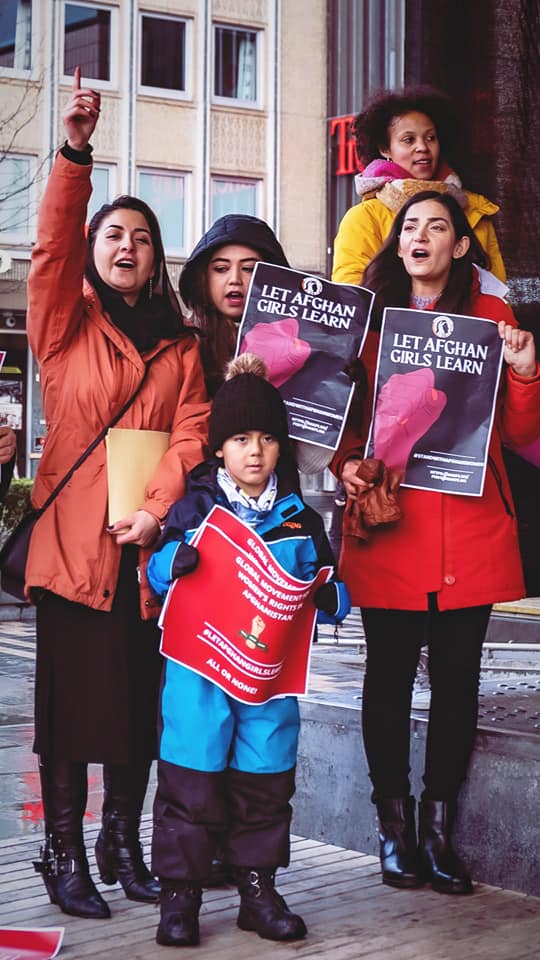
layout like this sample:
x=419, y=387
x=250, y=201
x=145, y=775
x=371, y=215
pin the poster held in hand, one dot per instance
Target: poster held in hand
x=307, y=330
x=256, y=643
x=434, y=401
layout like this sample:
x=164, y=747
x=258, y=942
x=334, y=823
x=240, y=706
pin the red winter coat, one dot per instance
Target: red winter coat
x=88, y=370
x=465, y=549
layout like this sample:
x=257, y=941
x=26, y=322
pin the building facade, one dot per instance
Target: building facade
x=215, y=106
x=208, y=107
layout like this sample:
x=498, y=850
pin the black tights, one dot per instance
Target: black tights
x=394, y=640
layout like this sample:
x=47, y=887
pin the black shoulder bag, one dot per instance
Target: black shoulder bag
x=15, y=550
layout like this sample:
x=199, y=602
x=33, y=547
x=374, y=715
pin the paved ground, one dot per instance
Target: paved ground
x=349, y=913
x=510, y=701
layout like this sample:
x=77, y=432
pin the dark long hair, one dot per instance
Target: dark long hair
x=157, y=313
x=386, y=274
x=218, y=333
x=370, y=127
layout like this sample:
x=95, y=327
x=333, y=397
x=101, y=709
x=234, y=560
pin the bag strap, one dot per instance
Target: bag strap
x=101, y=436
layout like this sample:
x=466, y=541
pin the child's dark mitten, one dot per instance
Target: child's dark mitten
x=326, y=598
x=185, y=560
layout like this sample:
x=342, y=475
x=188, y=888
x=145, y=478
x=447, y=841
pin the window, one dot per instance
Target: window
x=235, y=63
x=163, y=53
x=234, y=196
x=16, y=215
x=16, y=34
x=87, y=41
x=164, y=191
x=102, y=188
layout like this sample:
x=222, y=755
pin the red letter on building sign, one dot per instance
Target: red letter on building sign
x=347, y=161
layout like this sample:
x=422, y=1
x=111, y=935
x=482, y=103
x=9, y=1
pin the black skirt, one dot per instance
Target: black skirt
x=97, y=677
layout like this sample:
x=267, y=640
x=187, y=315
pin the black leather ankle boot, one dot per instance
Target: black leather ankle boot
x=262, y=909
x=64, y=868
x=397, y=842
x=179, y=919
x=440, y=864
x=118, y=849
x=119, y=858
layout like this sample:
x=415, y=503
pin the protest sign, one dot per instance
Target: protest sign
x=435, y=392
x=307, y=330
x=240, y=619
x=18, y=943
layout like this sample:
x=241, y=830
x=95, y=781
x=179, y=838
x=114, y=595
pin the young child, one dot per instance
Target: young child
x=226, y=769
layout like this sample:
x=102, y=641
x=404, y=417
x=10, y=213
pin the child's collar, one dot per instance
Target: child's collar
x=284, y=509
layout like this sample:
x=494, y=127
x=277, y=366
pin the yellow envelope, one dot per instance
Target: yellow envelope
x=132, y=458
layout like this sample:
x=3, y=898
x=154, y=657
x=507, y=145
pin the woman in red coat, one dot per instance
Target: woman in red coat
x=433, y=577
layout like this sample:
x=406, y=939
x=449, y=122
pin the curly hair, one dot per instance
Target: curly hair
x=370, y=127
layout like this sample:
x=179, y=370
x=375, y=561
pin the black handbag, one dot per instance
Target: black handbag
x=15, y=550
x=14, y=553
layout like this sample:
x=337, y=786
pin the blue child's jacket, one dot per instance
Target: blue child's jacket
x=293, y=531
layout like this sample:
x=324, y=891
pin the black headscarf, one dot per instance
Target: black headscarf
x=157, y=314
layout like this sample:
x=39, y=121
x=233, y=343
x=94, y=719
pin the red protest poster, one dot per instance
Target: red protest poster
x=17, y=943
x=240, y=619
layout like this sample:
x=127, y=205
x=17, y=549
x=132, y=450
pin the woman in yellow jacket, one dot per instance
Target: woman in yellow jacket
x=405, y=141
x=102, y=318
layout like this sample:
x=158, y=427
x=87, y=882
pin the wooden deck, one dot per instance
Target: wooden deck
x=348, y=911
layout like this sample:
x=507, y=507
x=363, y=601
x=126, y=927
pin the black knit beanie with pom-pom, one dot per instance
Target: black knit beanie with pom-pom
x=246, y=401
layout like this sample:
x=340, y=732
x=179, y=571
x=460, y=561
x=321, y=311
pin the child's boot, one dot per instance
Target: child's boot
x=179, y=921
x=263, y=909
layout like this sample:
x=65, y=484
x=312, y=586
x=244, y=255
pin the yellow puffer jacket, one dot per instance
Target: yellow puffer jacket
x=365, y=227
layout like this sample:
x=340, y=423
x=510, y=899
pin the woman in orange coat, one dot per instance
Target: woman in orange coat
x=102, y=315
x=432, y=577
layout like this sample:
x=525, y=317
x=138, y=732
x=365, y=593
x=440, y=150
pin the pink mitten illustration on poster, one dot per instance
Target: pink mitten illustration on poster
x=279, y=345
x=407, y=406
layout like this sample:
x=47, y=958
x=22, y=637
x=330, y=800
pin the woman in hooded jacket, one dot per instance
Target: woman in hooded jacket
x=214, y=283
x=106, y=328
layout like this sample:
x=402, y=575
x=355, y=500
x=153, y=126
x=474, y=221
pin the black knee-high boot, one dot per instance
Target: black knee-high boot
x=118, y=849
x=441, y=865
x=63, y=862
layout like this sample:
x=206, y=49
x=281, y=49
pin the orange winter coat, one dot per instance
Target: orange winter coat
x=88, y=370
x=465, y=549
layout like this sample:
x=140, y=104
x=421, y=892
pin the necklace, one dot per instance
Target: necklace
x=422, y=302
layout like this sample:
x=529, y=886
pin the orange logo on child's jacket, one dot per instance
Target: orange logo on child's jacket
x=292, y=525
